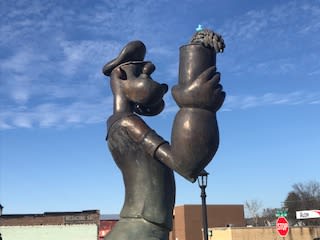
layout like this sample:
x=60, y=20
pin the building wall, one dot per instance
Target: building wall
x=179, y=224
x=221, y=234
x=54, y=218
x=264, y=233
x=50, y=232
x=188, y=219
x=51, y=226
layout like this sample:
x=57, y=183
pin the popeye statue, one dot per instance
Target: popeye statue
x=145, y=159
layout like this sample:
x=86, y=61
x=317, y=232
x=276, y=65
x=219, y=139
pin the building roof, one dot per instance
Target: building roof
x=217, y=205
x=49, y=214
x=109, y=217
x=51, y=218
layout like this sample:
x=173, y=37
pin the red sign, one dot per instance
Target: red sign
x=105, y=227
x=282, y=226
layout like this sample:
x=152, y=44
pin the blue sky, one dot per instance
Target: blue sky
x=55, y=101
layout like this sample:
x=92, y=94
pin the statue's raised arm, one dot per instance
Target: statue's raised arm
x=146, y=160
x=195, y=135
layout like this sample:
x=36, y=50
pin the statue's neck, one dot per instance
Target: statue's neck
x=122, y=105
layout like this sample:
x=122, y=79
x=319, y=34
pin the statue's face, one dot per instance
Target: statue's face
x=141, y=89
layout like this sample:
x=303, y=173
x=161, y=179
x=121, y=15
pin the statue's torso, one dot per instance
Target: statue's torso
x=149, y=184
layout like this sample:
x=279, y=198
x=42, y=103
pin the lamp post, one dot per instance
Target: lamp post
x=202, y=181
x=1, y=208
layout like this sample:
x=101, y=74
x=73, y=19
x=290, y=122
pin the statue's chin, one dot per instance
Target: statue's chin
x=149, y=110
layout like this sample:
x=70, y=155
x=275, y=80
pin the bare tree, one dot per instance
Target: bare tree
x=304, y=196
x=269, y=216
x=253, y=208
x=309, y=194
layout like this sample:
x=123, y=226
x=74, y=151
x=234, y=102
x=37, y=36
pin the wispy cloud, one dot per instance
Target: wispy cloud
x=244, y=102
x=56, y=115
x=51, y=54
x=275, y=22
x=80, y=113
x=50, y=76
x=83, y=55
x=278, y=39
x=271, y=99
x=19, y=72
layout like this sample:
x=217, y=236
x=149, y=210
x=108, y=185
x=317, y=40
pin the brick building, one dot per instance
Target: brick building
x=51, y=218
x=51, y=226
x=87, y=225
x=187, y=224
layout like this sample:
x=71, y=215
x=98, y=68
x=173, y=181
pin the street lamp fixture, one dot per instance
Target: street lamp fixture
x=202, y=181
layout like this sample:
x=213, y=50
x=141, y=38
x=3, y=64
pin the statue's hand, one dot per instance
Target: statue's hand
x=204, y=92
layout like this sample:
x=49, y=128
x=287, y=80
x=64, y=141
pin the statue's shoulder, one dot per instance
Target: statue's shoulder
x=123, y=119
x=130, y=121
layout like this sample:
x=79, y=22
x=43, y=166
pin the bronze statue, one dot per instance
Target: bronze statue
x=146, y=160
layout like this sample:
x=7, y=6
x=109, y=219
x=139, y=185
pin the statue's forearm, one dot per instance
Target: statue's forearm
x=165, y=154
x=160, y=149
x=194, y=142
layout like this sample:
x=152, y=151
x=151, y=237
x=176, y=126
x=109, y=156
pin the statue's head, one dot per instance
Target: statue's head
x=131, y=80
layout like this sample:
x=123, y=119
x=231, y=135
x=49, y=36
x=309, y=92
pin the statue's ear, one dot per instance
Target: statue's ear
x=119, y=74
x=122, y=74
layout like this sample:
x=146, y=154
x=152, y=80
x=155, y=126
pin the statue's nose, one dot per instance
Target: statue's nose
x=164, y=88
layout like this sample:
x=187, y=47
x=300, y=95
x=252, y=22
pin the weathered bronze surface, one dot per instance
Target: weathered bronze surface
x=145, y=159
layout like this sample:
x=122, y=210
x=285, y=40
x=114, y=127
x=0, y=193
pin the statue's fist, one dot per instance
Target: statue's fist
x=204, y=92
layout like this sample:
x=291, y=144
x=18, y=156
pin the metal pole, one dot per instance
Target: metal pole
x=204, y=213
